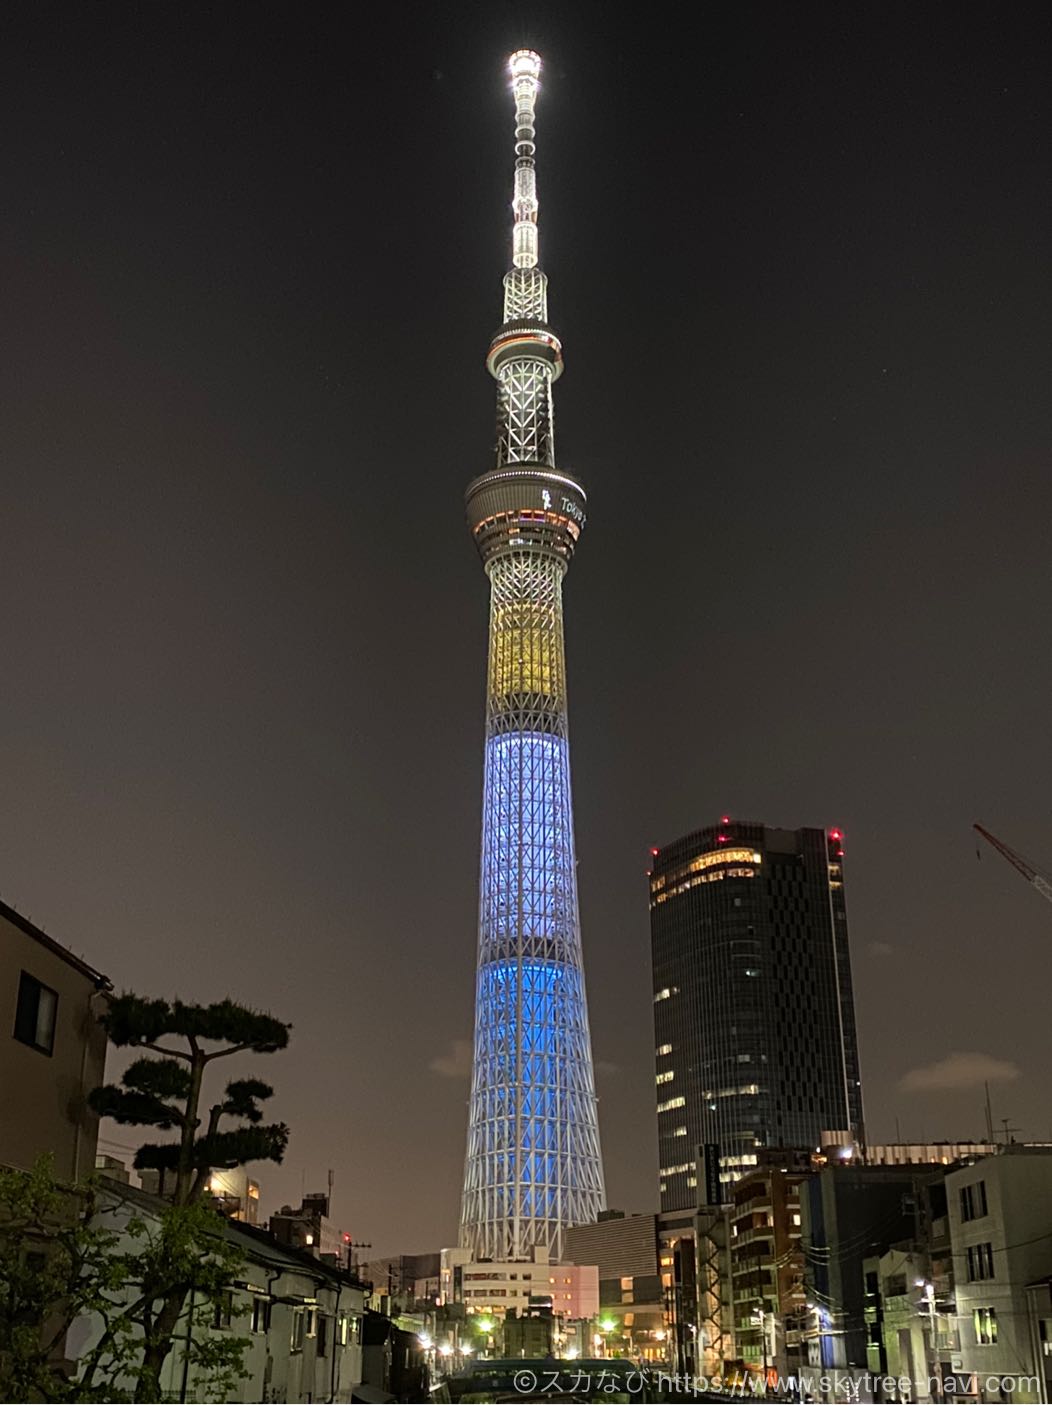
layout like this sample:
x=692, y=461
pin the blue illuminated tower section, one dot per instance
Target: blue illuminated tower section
x=533, y=1162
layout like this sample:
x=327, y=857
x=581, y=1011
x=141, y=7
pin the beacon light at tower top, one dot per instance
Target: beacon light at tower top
x=525, y=63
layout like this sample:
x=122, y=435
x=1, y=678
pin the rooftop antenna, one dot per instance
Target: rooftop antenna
x=989, y=1117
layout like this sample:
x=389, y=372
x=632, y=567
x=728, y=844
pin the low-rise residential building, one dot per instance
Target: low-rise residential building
x=492, y=1287
x=851, y=1214
x=1000, y=1215
x=910, y=1305
x=53, y=1050
x=394, y=1363
x=303, y=1318
x=900, y=1314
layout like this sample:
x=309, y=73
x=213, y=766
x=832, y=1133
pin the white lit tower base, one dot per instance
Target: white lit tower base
x=533, y=1161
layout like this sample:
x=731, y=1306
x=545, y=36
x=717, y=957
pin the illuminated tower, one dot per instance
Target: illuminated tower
x=533, y=1163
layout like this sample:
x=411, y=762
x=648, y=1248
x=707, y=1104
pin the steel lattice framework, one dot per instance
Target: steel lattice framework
x=533, y=1161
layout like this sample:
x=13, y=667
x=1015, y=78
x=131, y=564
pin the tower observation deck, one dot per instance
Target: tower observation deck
x=533, y=1163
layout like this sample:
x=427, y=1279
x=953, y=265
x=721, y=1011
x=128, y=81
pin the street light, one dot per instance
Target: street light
x=929, y=1308
x=760, y=1316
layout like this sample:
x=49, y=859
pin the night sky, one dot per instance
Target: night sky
x=252, y=258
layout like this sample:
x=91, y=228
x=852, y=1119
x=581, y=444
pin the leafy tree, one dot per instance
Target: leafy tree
x=166, y=1092
x=54, y=1266
x=60, y=1261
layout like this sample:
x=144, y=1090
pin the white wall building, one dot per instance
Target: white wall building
x=493, y=1287
x=1000, y=1212
x=303, y=1318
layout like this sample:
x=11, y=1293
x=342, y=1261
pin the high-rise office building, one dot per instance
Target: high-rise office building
x=754, y=1020
x=533, y=1164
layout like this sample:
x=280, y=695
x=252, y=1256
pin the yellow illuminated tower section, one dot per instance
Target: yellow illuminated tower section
x=533, y=1163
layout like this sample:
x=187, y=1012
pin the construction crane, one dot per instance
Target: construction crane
x=1029, y=872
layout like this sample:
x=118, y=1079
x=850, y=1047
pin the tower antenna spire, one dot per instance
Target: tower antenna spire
x=525, y=69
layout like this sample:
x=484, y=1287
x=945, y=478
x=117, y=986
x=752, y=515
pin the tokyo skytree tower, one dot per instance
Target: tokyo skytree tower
x=533, y=1163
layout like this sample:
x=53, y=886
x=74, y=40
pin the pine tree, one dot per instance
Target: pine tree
x=166, y=1092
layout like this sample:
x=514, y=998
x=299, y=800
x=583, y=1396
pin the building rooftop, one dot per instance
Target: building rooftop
x=24, y=925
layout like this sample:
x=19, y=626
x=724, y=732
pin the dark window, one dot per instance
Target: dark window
x=973, y=1201
x=224, y=1310
x=323, y=1336
x=35, y=1015
x=980, y=1262
x=261, y=1314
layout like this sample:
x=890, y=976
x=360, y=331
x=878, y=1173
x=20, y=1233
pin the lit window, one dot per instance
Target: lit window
x=984, y=1320
x=666, y=992
x=665, y=1077
x=671, y=1103
x=680, y=1132
x=663, y=1049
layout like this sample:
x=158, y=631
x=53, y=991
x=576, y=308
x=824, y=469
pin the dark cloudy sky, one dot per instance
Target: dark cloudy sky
x=251, y=262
